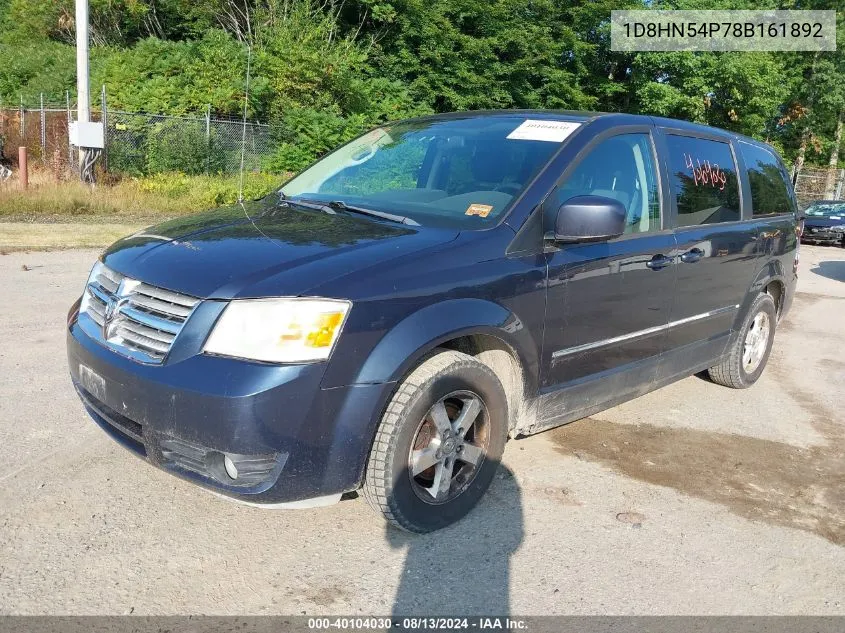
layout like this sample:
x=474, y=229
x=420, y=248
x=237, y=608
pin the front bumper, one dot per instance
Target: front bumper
x=821, y=236
x=289, y=439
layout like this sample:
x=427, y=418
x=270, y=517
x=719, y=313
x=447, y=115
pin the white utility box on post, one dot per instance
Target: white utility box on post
x=87, y=134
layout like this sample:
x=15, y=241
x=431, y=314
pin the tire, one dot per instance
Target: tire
x=735, y=370
x=399, y=483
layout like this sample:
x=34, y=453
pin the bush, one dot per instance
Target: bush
x=203, y=192
x=305, y=134
x=178, y=145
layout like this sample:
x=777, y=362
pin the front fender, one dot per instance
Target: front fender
x=412, y=338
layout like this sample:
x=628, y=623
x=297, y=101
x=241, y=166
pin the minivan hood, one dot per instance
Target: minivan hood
x=822, y=221
x=262, y=249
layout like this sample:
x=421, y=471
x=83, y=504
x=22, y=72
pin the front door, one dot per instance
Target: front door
x=608, y=303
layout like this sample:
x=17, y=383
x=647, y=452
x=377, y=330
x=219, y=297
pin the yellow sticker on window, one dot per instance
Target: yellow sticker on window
x=482, y=210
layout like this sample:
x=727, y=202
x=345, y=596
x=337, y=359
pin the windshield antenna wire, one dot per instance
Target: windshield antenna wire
x=243, y=145
x=243, y=132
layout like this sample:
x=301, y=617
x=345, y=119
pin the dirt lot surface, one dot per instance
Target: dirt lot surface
x=692, y=499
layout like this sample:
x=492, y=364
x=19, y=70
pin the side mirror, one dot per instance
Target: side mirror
x=589, y=219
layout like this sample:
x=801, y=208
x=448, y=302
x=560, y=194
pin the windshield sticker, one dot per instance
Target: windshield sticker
x=541, y=130
x=482, y=210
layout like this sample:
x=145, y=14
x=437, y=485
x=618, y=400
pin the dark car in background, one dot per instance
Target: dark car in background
x=824, y=223
x=403, y=306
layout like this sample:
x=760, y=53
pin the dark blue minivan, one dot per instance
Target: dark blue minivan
x=398, y=310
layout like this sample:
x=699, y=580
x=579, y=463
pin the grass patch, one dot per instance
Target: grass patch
x=59, y=214
x=28, y=236
x=130, y=201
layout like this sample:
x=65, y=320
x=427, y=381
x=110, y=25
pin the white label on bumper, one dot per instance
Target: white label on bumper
x=93, y=382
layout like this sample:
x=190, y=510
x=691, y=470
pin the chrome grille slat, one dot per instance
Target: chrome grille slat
x=151, y=321
x=139, y=340
x=98, y=305
x=166, y=295
x=172, y=310
x=149, y=354
x=165, y=338
x=99, y=294
x=109, y=280
x=135, y=318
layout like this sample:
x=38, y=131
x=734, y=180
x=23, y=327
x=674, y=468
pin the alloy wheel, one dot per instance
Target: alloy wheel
x=756, y=341
x=449, y=446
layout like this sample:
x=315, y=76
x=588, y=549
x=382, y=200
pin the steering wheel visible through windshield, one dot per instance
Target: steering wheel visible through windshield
x=456, y=173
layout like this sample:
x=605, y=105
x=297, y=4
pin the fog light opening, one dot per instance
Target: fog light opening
x=230, y=467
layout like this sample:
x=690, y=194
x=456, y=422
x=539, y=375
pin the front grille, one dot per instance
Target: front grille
x=136, y=319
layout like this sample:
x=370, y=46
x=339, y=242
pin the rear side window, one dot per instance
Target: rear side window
x=703, y=179
x=769, y=188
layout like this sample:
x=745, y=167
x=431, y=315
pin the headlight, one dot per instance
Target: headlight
x=278, y=330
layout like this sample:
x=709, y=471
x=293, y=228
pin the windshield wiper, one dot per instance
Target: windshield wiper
x=307, y=204
x=342, y=206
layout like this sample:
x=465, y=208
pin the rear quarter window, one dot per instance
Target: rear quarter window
x=703, y=179
x=770, y=191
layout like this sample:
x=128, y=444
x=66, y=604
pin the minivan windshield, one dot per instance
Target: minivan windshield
x=827, y=209
x=457, y=173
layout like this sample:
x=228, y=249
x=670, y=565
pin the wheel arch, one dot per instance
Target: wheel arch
x=483, y=329
x=771, y=279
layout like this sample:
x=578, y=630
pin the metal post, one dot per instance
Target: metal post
x=23, y=167
x=84, y=105
x=82, y=96
x=207, y=138
x=43, y=131
x=105, y=118
x=839, y=185
x=69, y=121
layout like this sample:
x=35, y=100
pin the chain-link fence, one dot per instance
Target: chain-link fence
x=135, y=144
x=144, y=144
x=813, y=183
x=138, y=144
x=43, y=131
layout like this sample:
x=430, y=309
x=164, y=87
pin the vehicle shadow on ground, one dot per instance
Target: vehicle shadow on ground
x=831, y=270
x=463, y=569
x=758, y=479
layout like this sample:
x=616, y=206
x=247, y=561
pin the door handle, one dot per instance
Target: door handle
x=659, y=261
x=692, y=256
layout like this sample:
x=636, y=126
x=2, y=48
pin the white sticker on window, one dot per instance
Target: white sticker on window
x=544, y=130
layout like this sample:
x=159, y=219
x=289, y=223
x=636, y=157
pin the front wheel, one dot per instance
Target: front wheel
x=749, y=352
x=439, y=443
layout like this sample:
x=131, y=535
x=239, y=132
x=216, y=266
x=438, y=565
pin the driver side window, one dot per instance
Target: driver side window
x=621, y=167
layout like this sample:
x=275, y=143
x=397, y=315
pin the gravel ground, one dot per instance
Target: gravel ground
x=695, y=499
